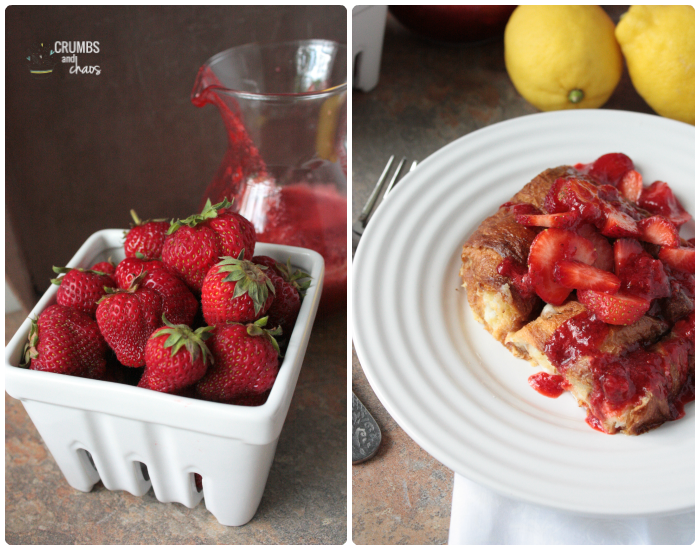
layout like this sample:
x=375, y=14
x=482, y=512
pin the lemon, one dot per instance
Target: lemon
x=658, y=43
x=562, y=57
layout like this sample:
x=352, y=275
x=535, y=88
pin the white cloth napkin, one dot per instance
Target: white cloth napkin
x=480, y=516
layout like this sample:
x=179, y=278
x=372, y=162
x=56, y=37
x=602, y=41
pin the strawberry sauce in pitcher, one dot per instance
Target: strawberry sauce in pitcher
x=285, y=168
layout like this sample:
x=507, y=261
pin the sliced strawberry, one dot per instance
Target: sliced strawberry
x=549, y=247
x=623, y=249
x=551, y=203
x=610, y=168
x=681, y=258
x=563, y=220
x=659, y=199
x=523, y=208
x=614, y=200
x=581, y=276
x=659, y=230
x=618, y=224
x=631, y=185
x=582, y=196
x=605, y=259
x=614, y=309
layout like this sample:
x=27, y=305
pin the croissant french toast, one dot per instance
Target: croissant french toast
x=583, y=273
x=628, y=378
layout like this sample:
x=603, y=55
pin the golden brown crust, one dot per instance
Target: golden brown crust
x=534, y=335
x=502, y=234
x=494, y=301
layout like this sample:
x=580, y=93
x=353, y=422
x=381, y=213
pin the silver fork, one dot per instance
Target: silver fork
x=359, y=225
x=365, y=433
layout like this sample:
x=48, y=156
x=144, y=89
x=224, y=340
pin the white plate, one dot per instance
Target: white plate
x=456, y=391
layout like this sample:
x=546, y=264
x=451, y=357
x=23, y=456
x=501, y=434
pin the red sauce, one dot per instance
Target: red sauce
x=621, y=381
x=578, y=336
x=549, y=385
x=315, y=217
x=518, y=276
x=594, y=423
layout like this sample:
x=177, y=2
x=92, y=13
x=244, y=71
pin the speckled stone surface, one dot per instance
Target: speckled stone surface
x=428, y=95
x=305, y=499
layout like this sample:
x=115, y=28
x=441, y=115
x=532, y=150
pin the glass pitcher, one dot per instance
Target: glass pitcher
x=285, y=169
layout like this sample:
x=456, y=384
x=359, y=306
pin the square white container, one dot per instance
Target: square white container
x=122, y=427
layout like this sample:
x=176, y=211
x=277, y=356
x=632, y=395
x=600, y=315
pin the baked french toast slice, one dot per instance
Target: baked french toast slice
x=584, y=274
x=629, y=378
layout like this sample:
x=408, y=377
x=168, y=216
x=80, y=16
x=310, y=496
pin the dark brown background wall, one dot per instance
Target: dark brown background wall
x=81, y=150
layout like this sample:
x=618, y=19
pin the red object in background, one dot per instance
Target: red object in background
x=454, y=23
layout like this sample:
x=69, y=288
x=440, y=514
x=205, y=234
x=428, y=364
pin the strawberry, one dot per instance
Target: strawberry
x=236, y=290
x=285, y=271
x=619, y=224
x=549, y=247
x=285, y=307
x=623, y=249
x=176, y=357
x=681, y=258
x=630, y=185
x=659, y=230
x=605, y=259
x=562, y=220
x=614, y=309
x=194, y=245
x=106, y=267
x=81, y=288
x=289, y=290
x=67, y=341
x=245, y=362
x=609, y=168
x=145, y=238
x=179, y=304
x=190, y=253
x=127, y=318
x=659, y=199
x=643, y=276
x=581, y=276
x=130, y=268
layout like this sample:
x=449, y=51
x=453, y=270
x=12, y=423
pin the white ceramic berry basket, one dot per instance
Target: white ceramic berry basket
x=123, y=427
